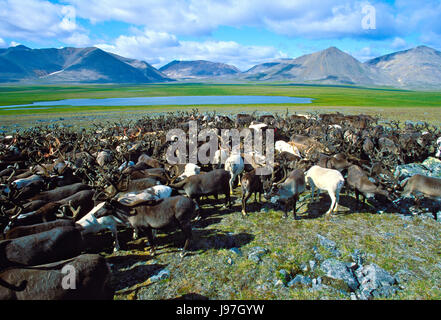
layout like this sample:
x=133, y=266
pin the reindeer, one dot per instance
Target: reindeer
x=250, y=183
x=358, y=180
x=326, y=179
x=149, y=215
x=289, y=190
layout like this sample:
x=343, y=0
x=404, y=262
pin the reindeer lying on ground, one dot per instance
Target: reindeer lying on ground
x=45, y=247
x=43, y=282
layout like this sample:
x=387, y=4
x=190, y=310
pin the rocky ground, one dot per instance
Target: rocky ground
x=364, y=254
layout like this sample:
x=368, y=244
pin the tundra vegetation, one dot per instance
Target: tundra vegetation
x=234, y=248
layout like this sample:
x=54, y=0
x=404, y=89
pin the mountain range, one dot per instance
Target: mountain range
x=82, y=65
x=416, y=68
x=199, y=69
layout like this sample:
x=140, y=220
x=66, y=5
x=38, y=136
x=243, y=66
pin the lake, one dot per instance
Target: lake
x=156, y=101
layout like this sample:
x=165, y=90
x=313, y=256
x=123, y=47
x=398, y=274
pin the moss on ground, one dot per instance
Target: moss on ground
x=409, y=247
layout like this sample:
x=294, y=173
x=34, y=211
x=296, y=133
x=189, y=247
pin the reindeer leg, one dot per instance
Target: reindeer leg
x=188, y=236
x=337, y=199
x=318, y=195
x=245, y=198
x=150, y=238
x=312, y=193
x=357, y=195
x=231, y=183
x=115, y=236
x=227, y=200
x=285, y=209
x=417, y=202
x=331, y=208
x=135, y=233
x=294, y=207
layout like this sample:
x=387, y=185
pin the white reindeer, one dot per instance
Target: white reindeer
x=257, y=126
x=325, y=179
x=282, y=146
x=152, y=193
x=235, y=165
x=220, y=156
x=191, y=169
x=90, y=224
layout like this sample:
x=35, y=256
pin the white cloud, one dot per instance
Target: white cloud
x=313, y=18
x=159, y=48
x=2, y=43
x=14, y=44
x=78, y=39
x=399, y=43
x=366, y=53
x=37, y=20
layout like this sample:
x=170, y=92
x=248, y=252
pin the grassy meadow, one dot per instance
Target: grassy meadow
x=389, y=103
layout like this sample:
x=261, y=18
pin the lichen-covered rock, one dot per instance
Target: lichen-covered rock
x=312, y=265
x=434, y=165
x=236, y=251
x=430, y=167
x=375, y=282
x=330, y=245
x=358, y=257
x=284, y=276
x=256, y=254
x=338, y=270
x=300, y=280
x=405, y=171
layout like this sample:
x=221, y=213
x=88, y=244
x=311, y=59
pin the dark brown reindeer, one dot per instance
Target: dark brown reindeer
x=43, y=282
x=211, y=183
x=22, y=231
x=61, y=192
x=45, y=247
x=149, y=215
x=289, y=190
x=250, y=183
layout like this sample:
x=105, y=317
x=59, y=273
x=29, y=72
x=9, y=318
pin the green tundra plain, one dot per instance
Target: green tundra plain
x=389, y=103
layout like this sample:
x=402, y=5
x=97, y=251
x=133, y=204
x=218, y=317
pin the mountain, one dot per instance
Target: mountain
x=330, y=66
x=198, y=69
x=81, y=65
x=418, y=67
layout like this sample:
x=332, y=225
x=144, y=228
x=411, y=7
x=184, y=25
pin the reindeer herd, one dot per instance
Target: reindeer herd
x=58, y=185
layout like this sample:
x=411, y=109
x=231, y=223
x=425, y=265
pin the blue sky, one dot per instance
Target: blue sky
x=238, y=32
